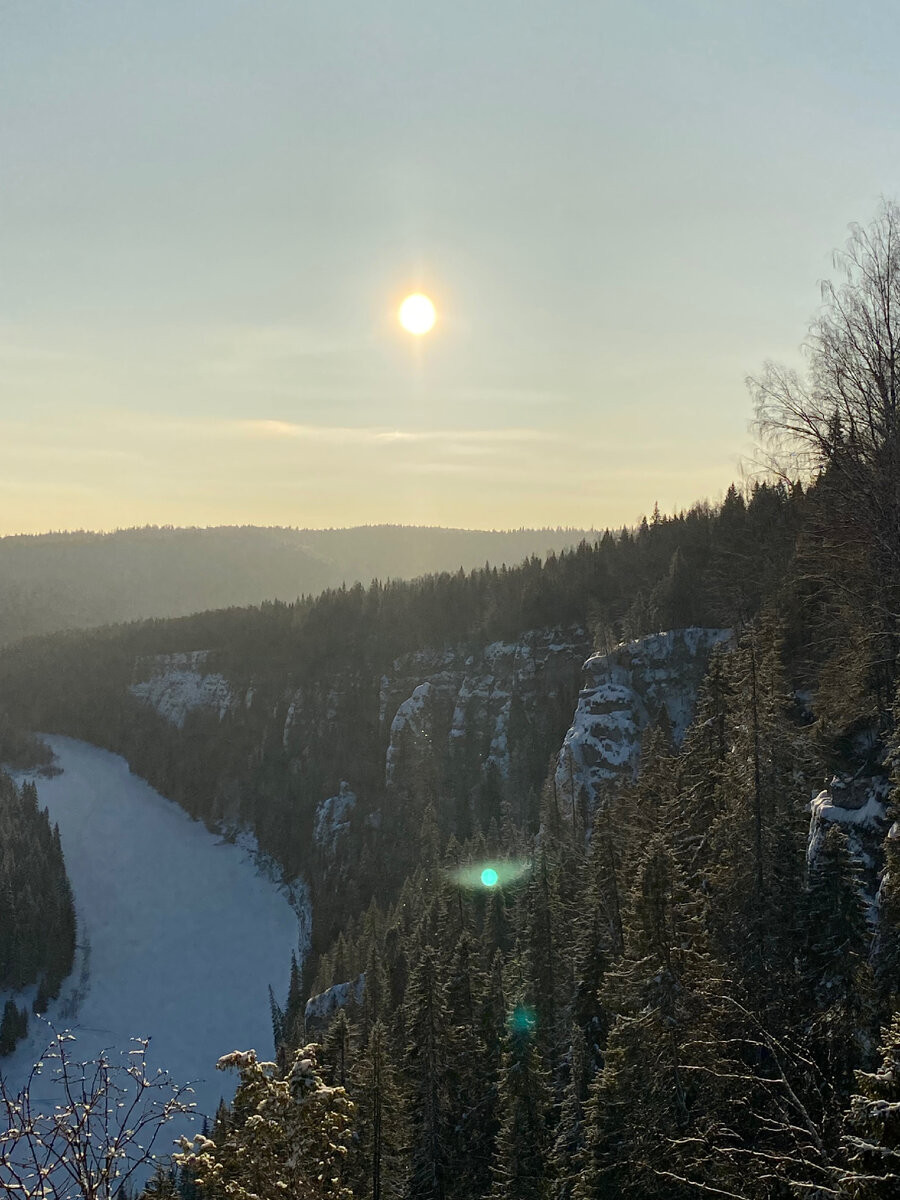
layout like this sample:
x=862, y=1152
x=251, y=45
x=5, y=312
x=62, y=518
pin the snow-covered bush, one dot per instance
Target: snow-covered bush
x=286, y=1134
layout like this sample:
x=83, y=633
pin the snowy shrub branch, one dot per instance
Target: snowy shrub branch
x=83, y=1130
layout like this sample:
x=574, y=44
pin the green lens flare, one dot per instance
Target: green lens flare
x=522, y=1021
x=501, y=873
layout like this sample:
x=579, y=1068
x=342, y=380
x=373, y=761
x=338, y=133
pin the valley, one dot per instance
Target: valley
x=180, y=932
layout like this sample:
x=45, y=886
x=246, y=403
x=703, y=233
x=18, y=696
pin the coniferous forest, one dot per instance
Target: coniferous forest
x=540, y=977
x=37, y=914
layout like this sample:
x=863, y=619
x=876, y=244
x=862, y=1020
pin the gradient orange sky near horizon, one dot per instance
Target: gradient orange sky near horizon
x=211, y=212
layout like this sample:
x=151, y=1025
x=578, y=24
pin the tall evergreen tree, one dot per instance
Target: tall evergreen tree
x=521, y=1167
x=380, y=1162
x=427, y=1029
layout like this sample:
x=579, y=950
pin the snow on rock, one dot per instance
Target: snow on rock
x=179, y=931
x=859, y=806
x=176, y=684
x=468, y=695
x=320, y=1009
x=626, y=690
x=499, y=751
x=333, y=817
x=411, y=716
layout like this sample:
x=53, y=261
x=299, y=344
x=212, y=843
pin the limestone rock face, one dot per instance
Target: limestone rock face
x=468, y=701
x=627, y=689
x=176, y=684
x=860, y=807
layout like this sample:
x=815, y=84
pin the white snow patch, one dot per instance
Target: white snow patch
x=862, y=815
x=872, y=812
x=290, y=718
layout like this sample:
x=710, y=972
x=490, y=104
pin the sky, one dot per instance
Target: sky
x=210, y=211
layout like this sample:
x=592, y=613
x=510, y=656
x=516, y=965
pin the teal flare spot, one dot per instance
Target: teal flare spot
x=522, y=1021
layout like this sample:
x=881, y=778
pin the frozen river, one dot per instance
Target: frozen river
x=179, y=934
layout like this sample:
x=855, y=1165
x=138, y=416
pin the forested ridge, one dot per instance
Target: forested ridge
x=325, y=660
x=69, y=580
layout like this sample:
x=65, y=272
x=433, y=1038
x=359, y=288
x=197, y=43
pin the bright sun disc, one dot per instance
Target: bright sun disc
x=416, y=314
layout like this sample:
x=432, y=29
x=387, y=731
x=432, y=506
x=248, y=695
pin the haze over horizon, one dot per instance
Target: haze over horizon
x=212, y=210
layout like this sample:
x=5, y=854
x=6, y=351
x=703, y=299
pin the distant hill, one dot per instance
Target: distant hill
x=55, y=581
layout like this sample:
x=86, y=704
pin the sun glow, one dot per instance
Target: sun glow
x=416, y=314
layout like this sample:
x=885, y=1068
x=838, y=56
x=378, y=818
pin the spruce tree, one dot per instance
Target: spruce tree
x=336, y=1049
x=427, y=1029
x=520, y=1167
x=380, y=1166
x=570, y=1135
x=287, y=1135
x=872, y=1138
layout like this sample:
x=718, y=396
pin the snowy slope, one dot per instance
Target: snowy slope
x=179, y=935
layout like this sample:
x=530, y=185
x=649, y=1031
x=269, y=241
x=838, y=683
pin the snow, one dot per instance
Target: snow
x=410, y=715
x=178, y=684
x=478, y=689
x=872, y=813
x=859, y=806
x=410, y=711
x=290, y=718
x=179, y=933
x=320, y=1009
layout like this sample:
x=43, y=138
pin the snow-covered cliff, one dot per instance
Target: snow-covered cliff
x=176, y=684
x=626, y=690
x=471, y=697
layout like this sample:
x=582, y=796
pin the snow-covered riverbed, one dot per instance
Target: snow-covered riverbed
x=179, y=934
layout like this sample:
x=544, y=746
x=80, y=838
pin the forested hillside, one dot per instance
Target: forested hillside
x=78, y=580
x=259, y=716
x=37, y=914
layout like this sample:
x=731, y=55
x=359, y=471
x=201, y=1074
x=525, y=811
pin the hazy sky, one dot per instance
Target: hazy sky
x=211, y=209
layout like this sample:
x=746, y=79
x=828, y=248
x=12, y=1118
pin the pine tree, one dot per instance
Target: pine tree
x=163, y=1185
x=570, y=1137
x=470, y=1092
x=336, y=1049
x=9, y=1028
x=886, y=948
x=427, y=1029
x=755, y=858
x=544, y=971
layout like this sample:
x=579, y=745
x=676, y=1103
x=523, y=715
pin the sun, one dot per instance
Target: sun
x=416, y=314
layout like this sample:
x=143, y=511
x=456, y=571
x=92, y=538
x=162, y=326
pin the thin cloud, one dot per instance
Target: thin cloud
x=380, y=436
